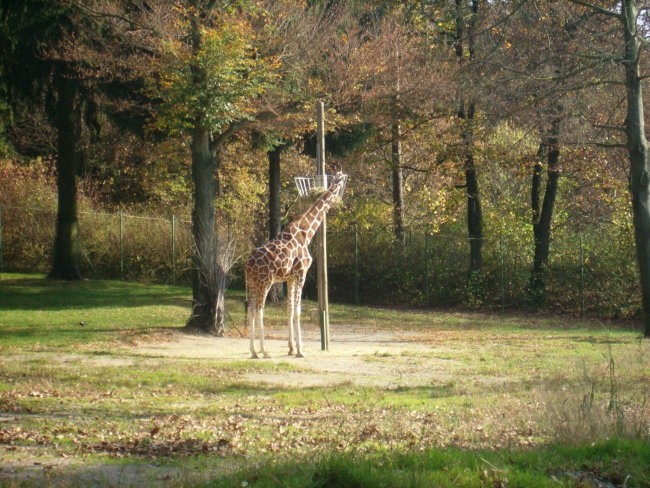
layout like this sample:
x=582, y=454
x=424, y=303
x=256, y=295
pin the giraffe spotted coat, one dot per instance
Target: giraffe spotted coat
x=286, y=259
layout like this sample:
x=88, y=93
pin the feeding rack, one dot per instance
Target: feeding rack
x=309, y=184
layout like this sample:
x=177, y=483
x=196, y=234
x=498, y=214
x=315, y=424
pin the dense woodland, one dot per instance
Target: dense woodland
x=520, y=120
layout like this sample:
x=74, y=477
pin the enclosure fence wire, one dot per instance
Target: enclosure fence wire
x=583, y=276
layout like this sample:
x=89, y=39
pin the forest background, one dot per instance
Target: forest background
x=496, y=150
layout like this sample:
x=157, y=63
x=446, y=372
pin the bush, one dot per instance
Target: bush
x=585, y=275
x=26, y=203
x=113, y=245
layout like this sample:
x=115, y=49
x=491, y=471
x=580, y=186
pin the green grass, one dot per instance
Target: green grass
x=616, y=461
x=36, y=312
x=536, y=401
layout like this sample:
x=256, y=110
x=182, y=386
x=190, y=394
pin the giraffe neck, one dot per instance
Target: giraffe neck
x=304, y=227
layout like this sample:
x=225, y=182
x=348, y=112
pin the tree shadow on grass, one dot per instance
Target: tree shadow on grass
x=51, y=295
x=73, y=334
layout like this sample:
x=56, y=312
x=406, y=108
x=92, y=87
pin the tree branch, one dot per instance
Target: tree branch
x=596, y=8
x=414, y=169
x=606, y=145
x=610, y=145
x=107, y=15
x=94, y=13
x=236, y=126
x=609, y=127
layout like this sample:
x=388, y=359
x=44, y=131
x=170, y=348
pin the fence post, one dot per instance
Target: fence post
x=122, y=244
x=427, y=269
x=1, y=240
x=356, y=264
x=173, y=249
x=582, y=278
x=502, y=277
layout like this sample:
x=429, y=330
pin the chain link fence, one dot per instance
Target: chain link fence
x=586, y=275
x=113, y=245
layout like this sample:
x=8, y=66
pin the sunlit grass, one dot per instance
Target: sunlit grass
x=507, y=386
x=551, y=466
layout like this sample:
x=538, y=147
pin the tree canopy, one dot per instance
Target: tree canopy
x=520, y=118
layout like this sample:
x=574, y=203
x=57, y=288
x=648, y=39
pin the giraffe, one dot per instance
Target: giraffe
x=286, y=258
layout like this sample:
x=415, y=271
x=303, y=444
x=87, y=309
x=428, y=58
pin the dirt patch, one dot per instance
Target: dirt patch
x=58, y=472
x=356, y=355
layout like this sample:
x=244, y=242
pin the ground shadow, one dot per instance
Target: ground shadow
x=51, y=295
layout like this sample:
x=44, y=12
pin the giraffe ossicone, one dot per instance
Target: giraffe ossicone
x=286, y=259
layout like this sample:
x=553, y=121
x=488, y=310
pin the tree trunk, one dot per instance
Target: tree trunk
x=67, y=250
x=637, y=146
x=205, y=276
x=398, y=182
x=275, y=217
x=474, y=216
x=474, y=211
x=543, y=217
x=208, y=314
x=465, y=112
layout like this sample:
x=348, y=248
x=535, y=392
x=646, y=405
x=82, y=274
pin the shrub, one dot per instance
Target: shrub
x=598, y=407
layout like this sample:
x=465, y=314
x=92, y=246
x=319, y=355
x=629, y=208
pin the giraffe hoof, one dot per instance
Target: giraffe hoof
x=254, y=356
x=266, y=355
x=299, y=355
x=290, y=353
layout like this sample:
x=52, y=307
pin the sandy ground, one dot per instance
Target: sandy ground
x=356, y=355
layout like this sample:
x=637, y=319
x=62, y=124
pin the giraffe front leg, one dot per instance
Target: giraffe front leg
x=298, y=310
x=290, y=314
x=260, y=322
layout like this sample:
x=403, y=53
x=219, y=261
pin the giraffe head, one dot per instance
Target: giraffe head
x=337, y=185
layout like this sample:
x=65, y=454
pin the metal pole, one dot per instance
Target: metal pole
x=323, y=305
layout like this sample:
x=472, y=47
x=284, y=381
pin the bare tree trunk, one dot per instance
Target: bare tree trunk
x=543, y=216
x=474, y=216
x=637, y=146
x=465, y=112
x=398, y=181
x=275, y=182
x=204, y=276
x=275, y=217
x=67, y=250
